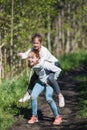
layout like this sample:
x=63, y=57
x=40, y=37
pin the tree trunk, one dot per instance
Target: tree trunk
x=0, y=64
x=11, y=50
x=49, y=32
x=68, y=32
x=56, y=37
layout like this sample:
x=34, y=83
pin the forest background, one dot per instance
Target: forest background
x=62, y=23
x=63, y=26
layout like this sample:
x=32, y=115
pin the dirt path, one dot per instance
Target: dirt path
x=71, y=120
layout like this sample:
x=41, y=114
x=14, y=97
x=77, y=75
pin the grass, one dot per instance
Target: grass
x=6, y=120
x=70, y=61
x=10, y=91
x=83, y=92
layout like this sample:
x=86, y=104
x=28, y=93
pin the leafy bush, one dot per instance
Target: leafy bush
x=72, y=60
x=10, y=92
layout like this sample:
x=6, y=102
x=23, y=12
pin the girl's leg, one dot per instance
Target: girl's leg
x=49, y=99
x=38, y=88
x=31, y=84
x=33, y=80
x=56, y=87
x=49, y=94
x=53, y=83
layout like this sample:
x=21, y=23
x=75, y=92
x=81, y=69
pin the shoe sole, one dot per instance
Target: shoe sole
x=62, y=105
x=32, y=122
x=57, y=123
x=23, y=100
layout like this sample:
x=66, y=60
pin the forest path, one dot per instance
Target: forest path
x=71, y=120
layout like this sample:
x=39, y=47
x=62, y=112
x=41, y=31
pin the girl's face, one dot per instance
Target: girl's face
x=36, y=44
x=32, y=59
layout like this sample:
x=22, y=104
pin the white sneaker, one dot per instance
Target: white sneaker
x=61, y=101
x=25, y=98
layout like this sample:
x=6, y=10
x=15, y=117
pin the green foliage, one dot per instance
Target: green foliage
x=81, y=78
x=30, y=17
x=83, y=92
x=11, y=91
x=72, y=60
x=6, y=120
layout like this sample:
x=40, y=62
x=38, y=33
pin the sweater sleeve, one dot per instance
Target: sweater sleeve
x=52, y=68
x=25, y=54
x=47, y=56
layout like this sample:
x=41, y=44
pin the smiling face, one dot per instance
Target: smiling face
x=33, y=58
x=36, y=44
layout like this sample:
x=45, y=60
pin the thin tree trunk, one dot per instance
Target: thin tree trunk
x=0, y=64
x=56, y=37
x=68, y=32
x=62, y=27
x=11, y=51
x=49, y=32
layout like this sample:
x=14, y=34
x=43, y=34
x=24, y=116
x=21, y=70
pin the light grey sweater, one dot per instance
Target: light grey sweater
x=44, y=54
x=44, y=68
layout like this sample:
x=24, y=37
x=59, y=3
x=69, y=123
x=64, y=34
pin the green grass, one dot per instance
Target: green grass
x=83, y=92
x=10, y=92
x=6, y=120
x=70, y=61
x=82, y=78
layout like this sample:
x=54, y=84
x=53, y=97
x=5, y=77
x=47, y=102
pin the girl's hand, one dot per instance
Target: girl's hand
x=19, y=55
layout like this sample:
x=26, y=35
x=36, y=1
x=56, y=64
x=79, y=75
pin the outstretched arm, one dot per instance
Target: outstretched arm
x=24, y=55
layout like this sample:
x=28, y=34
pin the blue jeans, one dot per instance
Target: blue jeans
x=37, y=90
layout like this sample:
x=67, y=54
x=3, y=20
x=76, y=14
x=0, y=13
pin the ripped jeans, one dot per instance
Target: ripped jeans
x=37, y=90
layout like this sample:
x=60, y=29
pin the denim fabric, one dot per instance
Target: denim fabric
x=32, y=82
x=53, y=82
x=37, y=90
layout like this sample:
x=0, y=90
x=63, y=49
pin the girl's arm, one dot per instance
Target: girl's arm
x=52, y=68
x=40, y=64
x=24, y=55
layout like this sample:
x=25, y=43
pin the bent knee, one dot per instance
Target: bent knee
x=49, y=100
x=33, y=97
x=51, y=77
